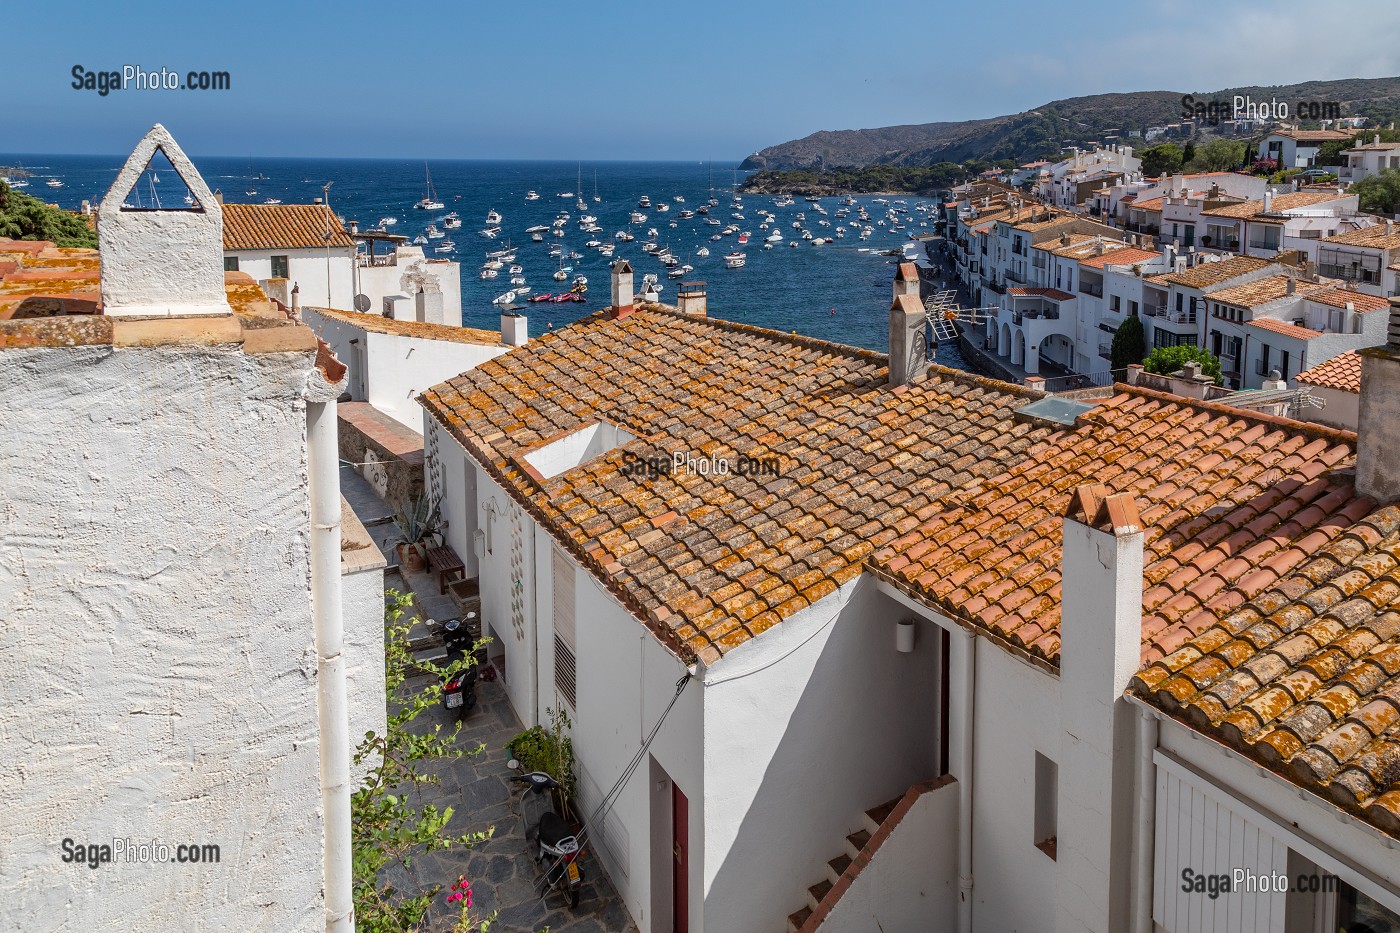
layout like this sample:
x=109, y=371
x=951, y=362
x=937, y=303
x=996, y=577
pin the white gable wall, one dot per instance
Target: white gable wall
x=306, y=269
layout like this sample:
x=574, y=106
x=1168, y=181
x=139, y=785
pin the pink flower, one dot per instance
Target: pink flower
x=453, y=897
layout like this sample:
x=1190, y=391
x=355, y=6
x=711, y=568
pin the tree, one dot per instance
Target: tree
x=1189, y=153
x=1379, y=193
x=1162, y=159
x=23, y=217
x=1218, y=155
x=387, y=830
x=1129, y=344
x=1164, y=361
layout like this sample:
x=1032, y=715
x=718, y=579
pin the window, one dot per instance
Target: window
x=565, y=660
x=1132, y=309
x=1113, y=303
x=1046, y=801
x=230, y=263
x=279, y=267
x=1283, y=363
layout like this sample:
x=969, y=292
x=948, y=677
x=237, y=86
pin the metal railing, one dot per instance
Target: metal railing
x=1076, y=381
x=1086, y=288
x=1173, y=316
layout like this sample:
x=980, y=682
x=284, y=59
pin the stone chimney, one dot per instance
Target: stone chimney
x=1292, y=285
x=165, y=262
x=621, y=289
x=1378, y=423
x=515, y=329
x=1178, y=184
x=906, y=280
x=1100, y=651
x=690, y=299
x=908, y=340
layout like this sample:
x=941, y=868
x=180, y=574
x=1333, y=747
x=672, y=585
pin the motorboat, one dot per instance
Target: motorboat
x=54, y=183
x=516, y=269
x=623, y=236
x=420, y=240
x=489, y=273
x=389, y=221
x=775, y=237
x=517, y=280
x=662, y=207
x=493, y=217
x=446, y=246
x=644, y=202
x=734, y=260
x=703, y=251
x=686, y=214
x=451, y=221
x=743, y=238
x=273, y=201
x=507, y=298
x=434, y=233
x=638, y=217
x=679, y=199
x=532, y=196
x=490, y=232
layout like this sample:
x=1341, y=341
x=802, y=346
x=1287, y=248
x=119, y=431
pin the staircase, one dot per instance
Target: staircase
x=860, y=846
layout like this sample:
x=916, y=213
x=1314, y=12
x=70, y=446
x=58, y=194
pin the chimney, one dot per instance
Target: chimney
x=690, y=299
x=1178, y=183
x=1376, y=140
x=1292, y=285
x=296, y=298
x=906, y=280
x=515, y=329
x=621, y=289
x=1378, y=423
x=908, y=340
x=428, y=303
x=1273, y=382
x=1268, y=200
x=1100, y=651
x=354, y=226
x=1389, y=227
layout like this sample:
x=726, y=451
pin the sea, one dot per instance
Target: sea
x=838, y=292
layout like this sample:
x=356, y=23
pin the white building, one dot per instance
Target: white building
x=1294, y=220
x=1368, y=159
x=189, y=644
x=1072, y=181
x=302, y=243
x=1336, y=384
x=1367, y=259
x=1297, y=148
x=404, y=283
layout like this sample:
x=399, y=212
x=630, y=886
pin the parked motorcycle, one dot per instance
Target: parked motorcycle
x=459, y=689
x=556, y=847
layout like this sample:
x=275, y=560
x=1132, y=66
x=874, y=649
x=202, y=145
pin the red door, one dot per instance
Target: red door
x=680, y=861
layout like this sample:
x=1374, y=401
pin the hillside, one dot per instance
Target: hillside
x=1047, y=129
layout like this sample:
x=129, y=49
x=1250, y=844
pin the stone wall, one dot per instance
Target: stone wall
x=387, y=454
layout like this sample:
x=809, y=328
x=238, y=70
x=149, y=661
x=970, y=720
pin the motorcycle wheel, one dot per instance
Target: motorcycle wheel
x=573, y=899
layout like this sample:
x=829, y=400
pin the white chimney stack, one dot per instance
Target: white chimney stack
x=621, y=289
x=515, y=329
x=1100, y=651
x=690, y=299
x=906, y=280
x=908, y=340
x=1268, y=201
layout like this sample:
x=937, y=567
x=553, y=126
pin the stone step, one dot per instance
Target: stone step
x=875, y=817
x=797, y=918
x=816, y=892
x=855, y=842
x=837, y=866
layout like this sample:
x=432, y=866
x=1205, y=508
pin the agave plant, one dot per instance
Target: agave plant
x=418, y=519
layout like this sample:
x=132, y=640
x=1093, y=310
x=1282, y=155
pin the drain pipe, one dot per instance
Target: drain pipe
x=965, y=673
x=1144, y=814
x=331, y=695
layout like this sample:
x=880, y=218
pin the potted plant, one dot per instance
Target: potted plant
x=417, y=523
x=549, y=749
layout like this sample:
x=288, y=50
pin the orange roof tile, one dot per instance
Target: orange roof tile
x=282, y=226
x=858, y=460
x=378, y=324
x=1284, y=328
x=1313, y=136
x=1271, y=601
x=1206, y=274
x=1340, y=297
x=1121, y=257
x=1341, y=372
x=1261, y=291
x=1374, y=236
x=1290, y=201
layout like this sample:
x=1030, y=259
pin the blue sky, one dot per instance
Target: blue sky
x=619, y=80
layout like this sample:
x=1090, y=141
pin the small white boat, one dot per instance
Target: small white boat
x=489, y=273
x=507, y=298
x=663, y=207
x=517, y=280
x=434, y=233
x=644, y=202
x=446, y=246
x=451, y=221
x=638, y=217
x=652, y=232
x=516, y=269
x=273, y=201
x=703, y=251
x=54, y=183
x=492, y=218
x=388, y=221
x=624, y=236
x=734, y=260
x=531, y=196
x=605, y=250
x=420, y=240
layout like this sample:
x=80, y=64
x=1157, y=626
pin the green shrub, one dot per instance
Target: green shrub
x=1128, y=344
x=1167, y=360
x=552, y=751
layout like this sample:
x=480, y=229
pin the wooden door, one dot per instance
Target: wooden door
x=680, y=861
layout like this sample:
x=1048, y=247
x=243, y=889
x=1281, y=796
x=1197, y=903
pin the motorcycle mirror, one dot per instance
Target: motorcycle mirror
x=513, y=765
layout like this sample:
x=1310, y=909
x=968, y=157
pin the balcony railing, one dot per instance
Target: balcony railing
x=1106, y=349
x=1013, y=276
x=1141, y=228
x=1088, y=288
x=1264, y=244
x=1173, y=316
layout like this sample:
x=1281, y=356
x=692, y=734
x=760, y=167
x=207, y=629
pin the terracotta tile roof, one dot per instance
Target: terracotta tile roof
x=1339, y=297
x=1121, y=257
x=1284, y=328
x=378, y=324
x=1206, y=274
x=1373, y=236
x=1271, y=602
x=1313, y=136
x=1065, y=241
x=1039, y=219
x=281, y=226
x=1052, y=293
x=1151, y=204
x=1261, y=291
x=1290, y=201
x=1374, y=147
x=1342, y=372
x=711, y=561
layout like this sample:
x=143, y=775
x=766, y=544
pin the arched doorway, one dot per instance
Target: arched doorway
x=1018, y=349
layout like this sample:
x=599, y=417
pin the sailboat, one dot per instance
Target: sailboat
x=596, y=199
x=581, y=204
x=429, y=201
x=250, y=190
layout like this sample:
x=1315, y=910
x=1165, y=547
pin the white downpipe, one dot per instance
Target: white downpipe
x=965, y=676
x=331, y=694
x=1144, y=814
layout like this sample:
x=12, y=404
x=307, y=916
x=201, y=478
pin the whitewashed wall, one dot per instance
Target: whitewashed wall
x=157, y=663
x=377, y=282
x=306, y=268
x=362, y=601
x=806, y=728
x=400, y=368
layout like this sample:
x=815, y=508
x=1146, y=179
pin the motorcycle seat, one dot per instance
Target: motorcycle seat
x=554, y=829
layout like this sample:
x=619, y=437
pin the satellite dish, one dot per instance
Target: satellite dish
x=362, y=303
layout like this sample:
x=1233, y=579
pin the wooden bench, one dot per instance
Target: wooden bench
x=445, y=562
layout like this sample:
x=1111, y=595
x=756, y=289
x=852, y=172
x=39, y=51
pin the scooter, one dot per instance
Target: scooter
x=458, y=690
x=556, y=846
